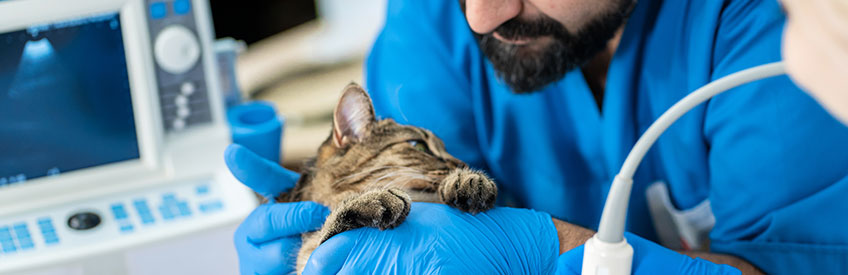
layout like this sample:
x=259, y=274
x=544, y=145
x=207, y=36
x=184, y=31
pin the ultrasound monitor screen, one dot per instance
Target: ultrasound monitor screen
x=64, y=99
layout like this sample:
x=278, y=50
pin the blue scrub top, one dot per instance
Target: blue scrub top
x=772, y=162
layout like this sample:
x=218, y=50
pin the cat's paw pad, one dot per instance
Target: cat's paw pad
x=383, y=209
x=468, y=190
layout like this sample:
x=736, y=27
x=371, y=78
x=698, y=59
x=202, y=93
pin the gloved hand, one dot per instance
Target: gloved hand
x=268, y=239
x=436, y=238
x=648, y=258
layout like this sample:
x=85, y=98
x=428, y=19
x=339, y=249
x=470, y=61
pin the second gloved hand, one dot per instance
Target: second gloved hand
x=436, y=238
x=649, y=258
x=268, y=239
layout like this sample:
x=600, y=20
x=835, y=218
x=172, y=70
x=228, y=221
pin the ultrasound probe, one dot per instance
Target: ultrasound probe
x=607, y=252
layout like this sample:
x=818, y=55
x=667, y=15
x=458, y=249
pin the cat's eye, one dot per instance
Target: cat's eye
x=420, y=145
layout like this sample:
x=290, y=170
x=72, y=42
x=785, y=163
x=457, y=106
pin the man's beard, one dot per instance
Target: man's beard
x=529, y=68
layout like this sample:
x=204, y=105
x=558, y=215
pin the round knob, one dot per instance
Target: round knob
x=176, y=49
x=83, y=221
x=187, y=88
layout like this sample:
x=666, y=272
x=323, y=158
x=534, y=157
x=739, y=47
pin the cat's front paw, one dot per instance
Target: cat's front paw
x=468, y=190
x=382, y=208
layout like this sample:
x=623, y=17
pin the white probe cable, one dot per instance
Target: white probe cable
x=607, y=252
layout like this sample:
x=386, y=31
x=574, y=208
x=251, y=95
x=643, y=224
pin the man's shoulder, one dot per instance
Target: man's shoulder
x=697, y=11
x=737, y=10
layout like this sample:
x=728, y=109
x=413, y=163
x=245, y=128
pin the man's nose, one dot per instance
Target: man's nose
x=485, y=15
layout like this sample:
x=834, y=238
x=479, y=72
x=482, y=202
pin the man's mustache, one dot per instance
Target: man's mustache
x=519, y=28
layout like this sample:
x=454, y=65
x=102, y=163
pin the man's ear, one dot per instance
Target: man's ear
x=353, y=117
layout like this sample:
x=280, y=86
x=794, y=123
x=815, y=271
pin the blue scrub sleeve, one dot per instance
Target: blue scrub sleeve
x=418, y=72
x=778, y=162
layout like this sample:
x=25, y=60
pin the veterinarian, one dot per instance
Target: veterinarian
x=548, y=96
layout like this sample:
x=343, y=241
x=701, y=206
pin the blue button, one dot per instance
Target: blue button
x=25, y=241
x=166, y=212
x=126, y=228
x=182, y=6
x=21, y=229
x=119, y=211
x=51, y=241
x=22, y=233
x=7, y=244
x=5, y=233
x=48, y=231
x=27, y=245
x=168, y=197
x=211, y=206
x=140, y=204
x=202, y=189
x=45, y=222
x=158, y=10
x=184, y=210
x=143, y=211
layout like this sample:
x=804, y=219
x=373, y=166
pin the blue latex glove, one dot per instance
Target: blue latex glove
x=436, y=238
x=648, y=259
x=268, y=239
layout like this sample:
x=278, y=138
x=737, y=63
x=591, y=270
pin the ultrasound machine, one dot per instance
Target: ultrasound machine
x=112, y=129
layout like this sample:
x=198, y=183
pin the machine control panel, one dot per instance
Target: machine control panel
x=121, y=174
x=70, y=227
x=177, y=52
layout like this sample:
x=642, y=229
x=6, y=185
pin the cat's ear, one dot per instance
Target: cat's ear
x=353, y=117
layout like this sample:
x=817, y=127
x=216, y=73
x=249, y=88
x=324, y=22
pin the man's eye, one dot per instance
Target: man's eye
x=420, y=145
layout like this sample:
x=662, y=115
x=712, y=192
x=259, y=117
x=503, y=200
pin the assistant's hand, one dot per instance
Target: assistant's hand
x=648, y=259
x=268, y=239
x=436, y=238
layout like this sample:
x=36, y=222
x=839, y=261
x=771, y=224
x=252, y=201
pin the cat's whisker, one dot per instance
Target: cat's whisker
x=376, y=168
x=399, y=178
x=368, y=172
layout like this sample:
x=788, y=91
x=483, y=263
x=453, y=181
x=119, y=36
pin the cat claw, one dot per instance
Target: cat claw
x=468, y=190
x=383, y=209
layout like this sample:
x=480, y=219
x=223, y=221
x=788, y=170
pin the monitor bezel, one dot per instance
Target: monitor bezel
x=17, y=15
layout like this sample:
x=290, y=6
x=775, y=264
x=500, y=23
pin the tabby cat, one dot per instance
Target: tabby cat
x=369, y=171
